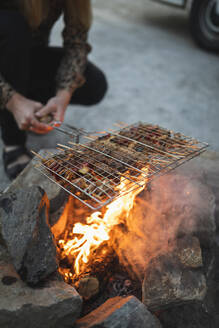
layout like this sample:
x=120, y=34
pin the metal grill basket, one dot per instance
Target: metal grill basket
x=92, y=172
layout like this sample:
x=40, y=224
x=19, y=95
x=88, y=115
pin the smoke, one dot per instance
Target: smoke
x=175, y=205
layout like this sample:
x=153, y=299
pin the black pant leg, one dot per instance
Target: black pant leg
x=93, y=90
x=44, y=63
x=14, y=66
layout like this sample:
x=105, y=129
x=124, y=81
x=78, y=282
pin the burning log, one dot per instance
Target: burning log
x=99, y=265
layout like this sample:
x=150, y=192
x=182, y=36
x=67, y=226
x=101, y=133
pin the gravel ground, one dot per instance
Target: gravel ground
x=155, y=73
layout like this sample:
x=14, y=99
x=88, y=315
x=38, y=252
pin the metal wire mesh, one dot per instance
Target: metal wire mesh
x=117, y=162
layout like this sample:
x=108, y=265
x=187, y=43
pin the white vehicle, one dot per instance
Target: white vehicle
x=204, y=20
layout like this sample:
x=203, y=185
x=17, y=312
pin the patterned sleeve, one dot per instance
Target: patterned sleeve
x=6, y=92
x=77, y=16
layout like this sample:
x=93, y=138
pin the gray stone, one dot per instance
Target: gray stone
x=208, y=165
x=30, y=176
x=167, y=283
x=211, y=301
x=202, y=314
x=25, y=230
x=55, y=305
x=4, y=255
x=188, y=205
x=118, y=312
x=55, y=217
x=189, y=252
x=88, y=287
x=187, y=316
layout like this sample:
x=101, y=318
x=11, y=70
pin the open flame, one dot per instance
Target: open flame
x=86, y=238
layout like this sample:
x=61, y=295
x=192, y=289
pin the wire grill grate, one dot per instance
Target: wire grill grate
x=92, y=172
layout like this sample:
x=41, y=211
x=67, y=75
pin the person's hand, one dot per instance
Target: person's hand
x=23, y=110
x=56, y=107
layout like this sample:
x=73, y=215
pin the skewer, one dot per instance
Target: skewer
x=37, y=155
x=146, y=145
x=65, y=146
x=101, y=132
x=118, y=125
x=90, y=138
x=123, y=124
x=69, y=192
x=50, y=153
x=61, y=149
x=112, y=130
x=110, y=173
x=113, y=158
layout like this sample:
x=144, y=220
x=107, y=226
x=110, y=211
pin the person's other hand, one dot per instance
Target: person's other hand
x=24, y=110
x=56, y=106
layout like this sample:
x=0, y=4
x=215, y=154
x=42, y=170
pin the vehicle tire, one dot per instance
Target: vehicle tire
x=204, y=24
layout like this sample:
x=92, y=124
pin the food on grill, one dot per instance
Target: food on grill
x=93, y=171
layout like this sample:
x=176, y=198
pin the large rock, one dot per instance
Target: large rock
x=168, y=283
x=25, y=230
x=211, y=301
x=206, y=165
x=30, y=176
x=186, y=316
x=118, y=312
x=56, y=305
x=189, y=252
x=4, y=255
x=187, y=204
x=202, y=314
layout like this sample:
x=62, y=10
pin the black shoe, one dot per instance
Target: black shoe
x=11, y=161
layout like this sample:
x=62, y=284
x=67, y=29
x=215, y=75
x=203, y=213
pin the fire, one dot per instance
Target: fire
x=86, y=238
